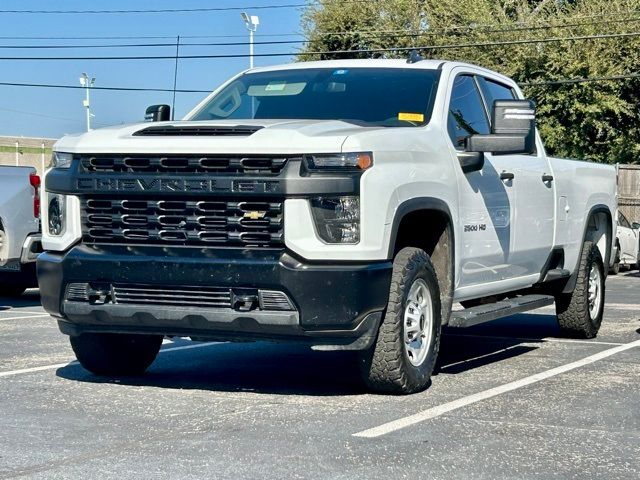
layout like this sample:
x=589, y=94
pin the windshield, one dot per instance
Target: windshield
x=393, y=97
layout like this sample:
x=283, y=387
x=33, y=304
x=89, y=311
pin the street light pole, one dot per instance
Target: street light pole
x=87, y=83
x=250, y=48
x=251, y=22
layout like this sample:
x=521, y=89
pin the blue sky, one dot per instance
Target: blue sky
x=29, y=111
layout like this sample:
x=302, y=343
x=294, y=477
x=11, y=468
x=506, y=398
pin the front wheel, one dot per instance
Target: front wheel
x=115, y=354
x=404, y=355
x=580, y=312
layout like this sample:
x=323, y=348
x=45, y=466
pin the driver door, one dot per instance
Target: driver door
x=485, y=199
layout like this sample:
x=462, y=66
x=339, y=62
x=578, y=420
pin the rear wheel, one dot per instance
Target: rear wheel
x=116, y=354
x=404, y=355
x=580, y=312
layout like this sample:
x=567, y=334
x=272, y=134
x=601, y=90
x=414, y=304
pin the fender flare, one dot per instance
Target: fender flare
x=413, y=205
x=599, y=208
x=435, y=205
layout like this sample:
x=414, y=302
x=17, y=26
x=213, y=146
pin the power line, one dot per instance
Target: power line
x=292, y=42
x=562, y=81
x=518, y=26
x=567, y=81
x=515, y=26
x=139, y=37
x=130, y=45
x=120, y=89
x=33, y=114
x=163, y=10
x=354, y=51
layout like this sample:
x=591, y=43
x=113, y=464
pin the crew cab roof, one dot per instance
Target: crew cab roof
x=353, y=63
x=431, y=64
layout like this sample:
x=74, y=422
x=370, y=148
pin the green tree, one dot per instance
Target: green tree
x=598, y=121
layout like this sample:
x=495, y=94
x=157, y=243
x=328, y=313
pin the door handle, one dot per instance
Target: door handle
x=506, y=175
x=547, y=178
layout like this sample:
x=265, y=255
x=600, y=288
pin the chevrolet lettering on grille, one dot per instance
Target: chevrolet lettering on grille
x=176, y=185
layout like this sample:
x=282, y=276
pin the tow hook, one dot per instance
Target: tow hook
x=245, y=302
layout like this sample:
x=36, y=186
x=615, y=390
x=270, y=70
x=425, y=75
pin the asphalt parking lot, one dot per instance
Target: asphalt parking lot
x=511, y=400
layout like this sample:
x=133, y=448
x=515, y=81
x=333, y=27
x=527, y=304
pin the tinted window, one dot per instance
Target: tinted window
x=622, y=220
x=495, y=91
x=392, y=97
x=466, y=112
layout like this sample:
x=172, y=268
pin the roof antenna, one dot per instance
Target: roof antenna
x=414, y=57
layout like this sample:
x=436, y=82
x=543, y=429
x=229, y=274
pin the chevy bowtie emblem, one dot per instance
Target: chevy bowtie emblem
x=254, y=215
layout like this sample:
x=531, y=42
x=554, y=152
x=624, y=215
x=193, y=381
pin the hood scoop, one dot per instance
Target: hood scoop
x=199, y=131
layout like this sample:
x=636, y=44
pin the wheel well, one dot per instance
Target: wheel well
x=431, y=230
x=599, y=232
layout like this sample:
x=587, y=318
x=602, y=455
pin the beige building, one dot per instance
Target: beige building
x=26, y=151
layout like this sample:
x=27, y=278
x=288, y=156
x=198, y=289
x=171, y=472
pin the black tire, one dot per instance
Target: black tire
x=386, y=366
x=114, y=354
x=12, y=291
x=574, y=316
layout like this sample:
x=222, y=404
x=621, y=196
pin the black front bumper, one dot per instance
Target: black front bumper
x=335, y=305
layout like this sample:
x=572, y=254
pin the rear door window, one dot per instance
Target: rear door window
x=493, y=91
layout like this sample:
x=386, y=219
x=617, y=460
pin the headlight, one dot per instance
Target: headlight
x=56, y=213
x=337, y=219
x=61, y=160
x=339, y=161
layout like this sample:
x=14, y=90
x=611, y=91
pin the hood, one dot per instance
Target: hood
x=227, y=136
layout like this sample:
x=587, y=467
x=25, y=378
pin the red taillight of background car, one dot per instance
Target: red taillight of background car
x=34, y=180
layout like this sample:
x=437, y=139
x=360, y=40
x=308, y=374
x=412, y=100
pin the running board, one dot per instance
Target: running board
x=492, y=311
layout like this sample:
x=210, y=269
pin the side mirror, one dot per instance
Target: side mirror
x=158, y=113
x=513, y=129
x=635, y=225
x=471, y=161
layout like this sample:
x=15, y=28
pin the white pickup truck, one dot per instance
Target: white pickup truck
x=19, y=229
x=347, y=204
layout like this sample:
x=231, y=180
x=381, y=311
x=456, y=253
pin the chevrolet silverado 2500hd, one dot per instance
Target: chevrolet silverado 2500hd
x=347, y=204
x=19, y=229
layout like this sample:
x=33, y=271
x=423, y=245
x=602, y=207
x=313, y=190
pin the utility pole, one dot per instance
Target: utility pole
x=251, y=22
x=87, y=83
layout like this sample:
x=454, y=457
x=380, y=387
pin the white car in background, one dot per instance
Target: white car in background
x=19, y=229
x=627, y=244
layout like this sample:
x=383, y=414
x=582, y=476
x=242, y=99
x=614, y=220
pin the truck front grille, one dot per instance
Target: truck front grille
x=183, y=164
x=183, y=221
x=237, y=298
x=205, y=297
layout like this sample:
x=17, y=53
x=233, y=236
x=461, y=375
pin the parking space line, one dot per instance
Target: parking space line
x=35, y=369
x=60, y=365
x=535, y=340
x=17, y=310
x=434, y=412
x=25, y=316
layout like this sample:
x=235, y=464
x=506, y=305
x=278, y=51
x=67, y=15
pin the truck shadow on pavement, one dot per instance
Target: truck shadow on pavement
x=286, y=369
x=31, y=298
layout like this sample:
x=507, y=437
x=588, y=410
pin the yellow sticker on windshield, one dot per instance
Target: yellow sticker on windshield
x=411, y=117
